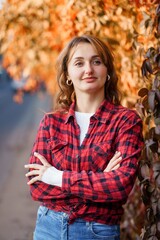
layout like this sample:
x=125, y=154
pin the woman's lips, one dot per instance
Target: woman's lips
x=89, y=79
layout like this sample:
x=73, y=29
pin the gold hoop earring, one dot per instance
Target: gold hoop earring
x=69, y=82
x=108, y=77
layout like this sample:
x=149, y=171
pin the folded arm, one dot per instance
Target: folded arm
x=112, y=186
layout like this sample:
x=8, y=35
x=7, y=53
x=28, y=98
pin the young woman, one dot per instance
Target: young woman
x=84, y=161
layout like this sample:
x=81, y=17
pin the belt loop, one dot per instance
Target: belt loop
x=46, y=211
x=87, y=224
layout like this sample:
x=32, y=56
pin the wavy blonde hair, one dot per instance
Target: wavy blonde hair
x=66, y=93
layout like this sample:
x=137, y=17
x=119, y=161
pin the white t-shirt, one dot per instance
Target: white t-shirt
x=83, y=120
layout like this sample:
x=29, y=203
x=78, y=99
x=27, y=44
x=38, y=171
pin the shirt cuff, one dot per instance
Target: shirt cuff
x=66, y=181
x=70, y=180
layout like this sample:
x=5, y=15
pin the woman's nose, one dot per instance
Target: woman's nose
x=88, y=68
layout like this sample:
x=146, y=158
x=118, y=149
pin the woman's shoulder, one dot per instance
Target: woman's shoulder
x=127, y=112
x=57, y=115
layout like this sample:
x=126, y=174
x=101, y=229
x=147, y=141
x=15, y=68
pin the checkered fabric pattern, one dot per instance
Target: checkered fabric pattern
x=87, y=191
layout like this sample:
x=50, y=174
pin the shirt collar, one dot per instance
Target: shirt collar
x=71, y=112
x=101, y=114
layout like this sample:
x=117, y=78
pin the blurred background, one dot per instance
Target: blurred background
x=18, y=126
x=32, y=33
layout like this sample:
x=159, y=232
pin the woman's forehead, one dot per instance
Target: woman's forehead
x=78, y=50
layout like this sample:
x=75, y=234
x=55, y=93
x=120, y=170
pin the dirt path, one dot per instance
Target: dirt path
x=17, y=209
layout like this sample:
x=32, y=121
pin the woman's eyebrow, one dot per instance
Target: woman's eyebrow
x=94, y=56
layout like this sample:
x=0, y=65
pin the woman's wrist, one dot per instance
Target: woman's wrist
x=53, y=176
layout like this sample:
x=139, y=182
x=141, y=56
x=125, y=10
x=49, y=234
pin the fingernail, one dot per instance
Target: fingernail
x=35, y=153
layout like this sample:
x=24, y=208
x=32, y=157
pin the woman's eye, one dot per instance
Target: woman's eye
x=79, y=64
x=97, y=62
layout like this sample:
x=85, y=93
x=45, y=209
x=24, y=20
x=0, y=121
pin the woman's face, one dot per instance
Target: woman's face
x=86, y=70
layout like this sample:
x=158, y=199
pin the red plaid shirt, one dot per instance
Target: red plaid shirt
x=87, y=192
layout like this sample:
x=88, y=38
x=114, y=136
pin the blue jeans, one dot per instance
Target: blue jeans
x=53, y=225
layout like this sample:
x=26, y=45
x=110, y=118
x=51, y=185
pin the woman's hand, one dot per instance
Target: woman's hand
x=114, y=163
x=38, y=169
x=45, y=172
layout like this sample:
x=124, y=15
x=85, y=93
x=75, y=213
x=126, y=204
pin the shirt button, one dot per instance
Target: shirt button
x=77, y=156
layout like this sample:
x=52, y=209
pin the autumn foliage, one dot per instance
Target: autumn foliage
x=34, y=31
x=149, y=108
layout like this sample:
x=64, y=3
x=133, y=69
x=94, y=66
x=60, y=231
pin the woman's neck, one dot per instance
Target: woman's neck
x=88, y=103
